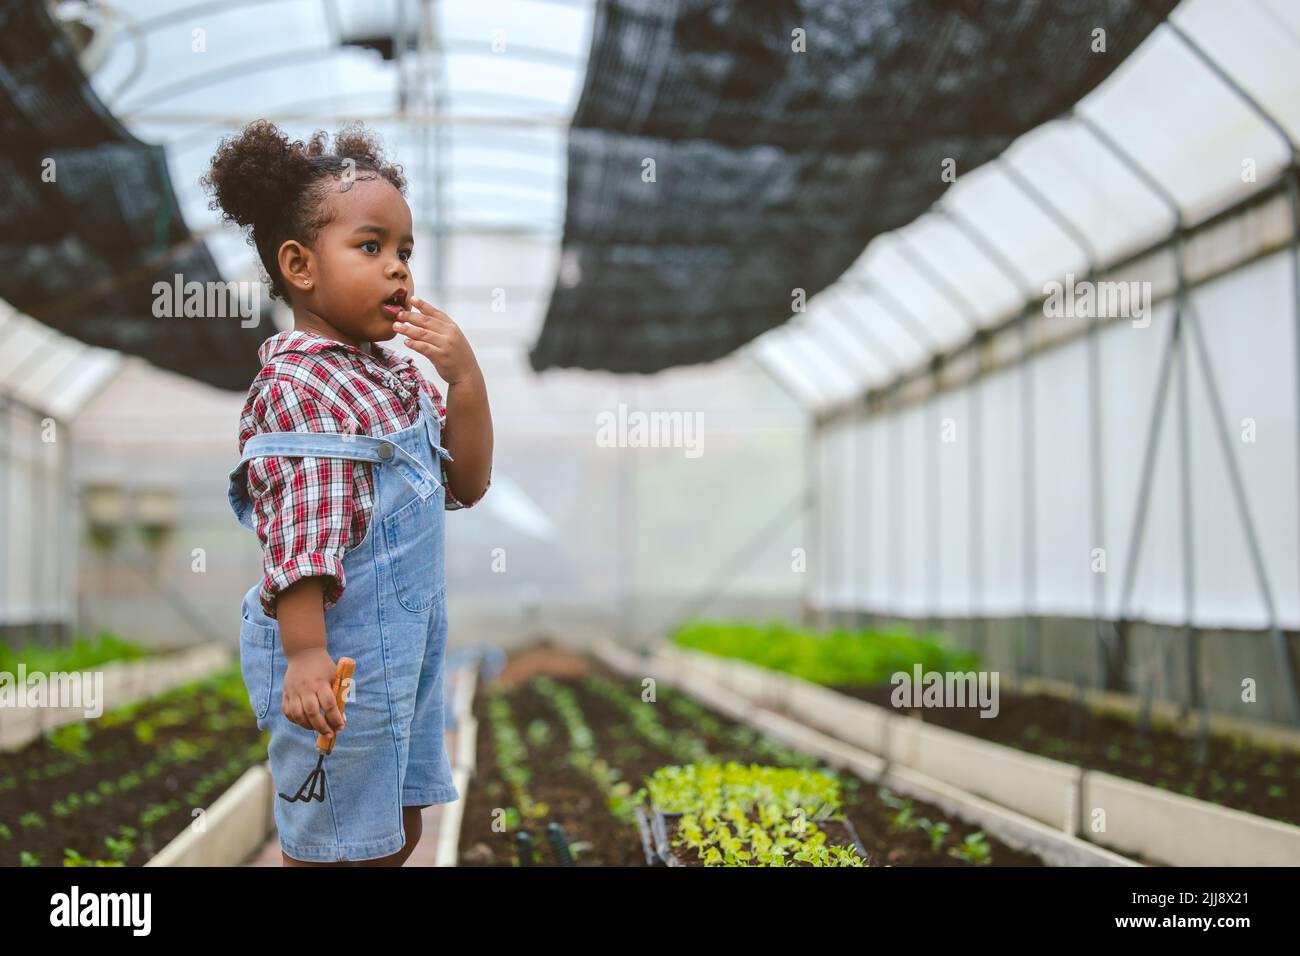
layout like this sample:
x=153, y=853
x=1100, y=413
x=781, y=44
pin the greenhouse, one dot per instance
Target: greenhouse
x=877, y=424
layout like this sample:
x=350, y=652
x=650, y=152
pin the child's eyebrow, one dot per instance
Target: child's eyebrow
x=382, y=231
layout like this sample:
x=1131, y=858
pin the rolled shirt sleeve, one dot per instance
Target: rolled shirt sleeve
x=303, y=505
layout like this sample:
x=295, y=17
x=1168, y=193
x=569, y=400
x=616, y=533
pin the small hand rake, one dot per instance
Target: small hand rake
x=313, y=788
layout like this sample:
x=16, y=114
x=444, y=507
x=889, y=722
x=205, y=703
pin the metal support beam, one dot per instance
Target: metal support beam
x=967, y=311
x=1103, y=632
x=1174, y=349
x=1283, y=650
x=1032, y=657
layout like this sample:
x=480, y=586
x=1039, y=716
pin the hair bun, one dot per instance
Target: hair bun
x=257, y=173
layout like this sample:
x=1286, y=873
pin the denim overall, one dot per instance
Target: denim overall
x=392, y=619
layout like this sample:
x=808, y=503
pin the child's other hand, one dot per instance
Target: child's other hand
x=433, y=334
x=309, y=694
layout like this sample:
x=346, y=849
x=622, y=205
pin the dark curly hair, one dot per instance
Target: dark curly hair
x=276, y=188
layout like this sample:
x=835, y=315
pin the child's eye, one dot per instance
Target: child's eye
x=409, y=253
x=370, y=242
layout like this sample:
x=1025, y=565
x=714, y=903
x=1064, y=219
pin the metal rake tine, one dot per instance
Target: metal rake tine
x=309, y=785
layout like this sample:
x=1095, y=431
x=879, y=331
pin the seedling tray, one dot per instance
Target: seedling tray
x=839, y=832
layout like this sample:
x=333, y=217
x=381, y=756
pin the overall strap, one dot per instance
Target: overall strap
x=431, y=422
x=376, y=450
x=426, y=403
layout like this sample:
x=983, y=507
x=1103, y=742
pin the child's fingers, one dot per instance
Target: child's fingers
x=431, y=310
x=428, y=347
x=425, y=318
x=315, y=718
x=330, y=708
x=292, y=709
x=417, y=331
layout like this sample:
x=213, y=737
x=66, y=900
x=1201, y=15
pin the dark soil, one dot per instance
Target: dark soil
x=577, y=803
x=575, y=800
x=1235, y=773
x=199, y=733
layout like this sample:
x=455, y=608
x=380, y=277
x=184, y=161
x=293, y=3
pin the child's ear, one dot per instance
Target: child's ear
x=295, y=265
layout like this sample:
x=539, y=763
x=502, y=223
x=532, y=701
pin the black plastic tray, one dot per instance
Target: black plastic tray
x=654, y=838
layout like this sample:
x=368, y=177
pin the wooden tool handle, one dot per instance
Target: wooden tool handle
x=347, y=667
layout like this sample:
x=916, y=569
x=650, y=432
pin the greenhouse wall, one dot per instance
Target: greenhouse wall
x=909, y=529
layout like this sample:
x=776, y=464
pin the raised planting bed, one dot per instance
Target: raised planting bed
x=711, y=814
x=1021, y=831
x=768, y=663
x=577, y=751
x=116, y=790
x=128, y=676
x=1228, y=771
x=1135, y=819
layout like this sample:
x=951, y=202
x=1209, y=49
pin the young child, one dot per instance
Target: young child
x=344, y=476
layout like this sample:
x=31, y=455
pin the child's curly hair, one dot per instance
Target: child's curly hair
x=263, y=181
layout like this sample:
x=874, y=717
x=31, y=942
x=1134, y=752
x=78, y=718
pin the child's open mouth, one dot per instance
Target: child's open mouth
x=394, y=304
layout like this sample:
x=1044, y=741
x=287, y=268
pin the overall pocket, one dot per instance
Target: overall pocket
x=413, y=537
x=257, y=650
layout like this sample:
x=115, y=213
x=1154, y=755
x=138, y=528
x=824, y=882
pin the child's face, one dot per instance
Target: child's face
x=361, y=259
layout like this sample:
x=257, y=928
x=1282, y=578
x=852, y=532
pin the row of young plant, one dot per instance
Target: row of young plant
x=82, y=654
x=583, y=757
x=973, y=848
x=1224, y=769
x=112, y=791
x=838, y=656
x=797, y=837
x=731, y=838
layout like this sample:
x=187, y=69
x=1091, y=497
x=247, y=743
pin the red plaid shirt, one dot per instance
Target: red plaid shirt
x=308, y=511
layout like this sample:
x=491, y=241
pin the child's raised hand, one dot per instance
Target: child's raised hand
x=433, y=334
x=309, y=693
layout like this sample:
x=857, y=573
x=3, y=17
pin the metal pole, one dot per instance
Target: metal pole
x=815, y=514
x=1174, y=348
x=7, y=462
x=896, y=506
x=932, y=564
x=947, y=290
x=1283, y=649
x=1190, y=634
x=1280, y=645
x=979, y=636
x=904, y=319
x=1096, y=449
x=868, y=498
x=1033, y=649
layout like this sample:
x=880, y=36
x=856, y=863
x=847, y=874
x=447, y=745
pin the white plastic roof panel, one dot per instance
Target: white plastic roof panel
x=47, y=371
x=769, y=351
x=510, y=74
x=1163, y=106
